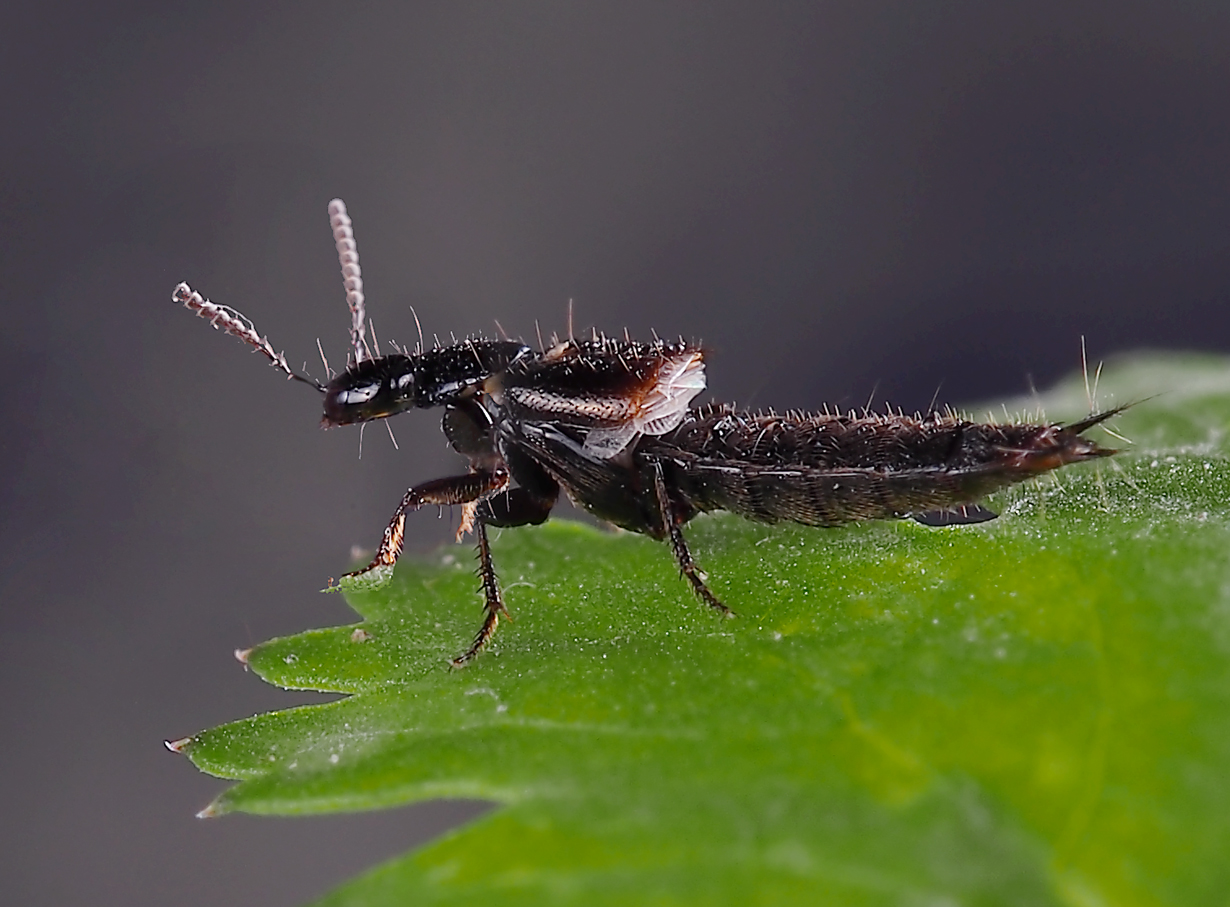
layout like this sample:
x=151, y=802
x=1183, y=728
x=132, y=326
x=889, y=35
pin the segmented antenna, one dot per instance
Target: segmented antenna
x=225, y=319
x=352, y=277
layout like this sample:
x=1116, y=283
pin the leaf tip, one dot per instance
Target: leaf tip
x=367, y=580
x=212, y=811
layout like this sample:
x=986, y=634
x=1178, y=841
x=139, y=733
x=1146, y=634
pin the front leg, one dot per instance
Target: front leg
x=465, y=489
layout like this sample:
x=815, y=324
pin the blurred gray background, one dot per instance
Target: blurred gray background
x=838, y=198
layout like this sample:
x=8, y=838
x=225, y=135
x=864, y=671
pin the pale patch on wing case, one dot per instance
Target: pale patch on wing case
x=679, y=379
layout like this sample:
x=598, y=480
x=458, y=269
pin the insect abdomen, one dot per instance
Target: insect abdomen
x=828, y=470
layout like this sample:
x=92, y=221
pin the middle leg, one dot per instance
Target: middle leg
x=493, y=602
x=512, y=507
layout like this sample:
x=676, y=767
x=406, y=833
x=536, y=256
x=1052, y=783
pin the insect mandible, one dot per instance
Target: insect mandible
x=611, y=423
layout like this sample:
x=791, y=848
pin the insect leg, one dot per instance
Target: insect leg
x=452, y=490
x=516, y=507
x=494, y=604
x=687, y=566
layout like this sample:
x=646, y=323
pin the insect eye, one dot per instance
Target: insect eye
x=357, y=395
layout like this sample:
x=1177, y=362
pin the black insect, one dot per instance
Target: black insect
x=610, y=423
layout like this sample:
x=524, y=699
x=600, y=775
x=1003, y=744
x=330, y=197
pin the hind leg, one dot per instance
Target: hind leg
x=687, y=566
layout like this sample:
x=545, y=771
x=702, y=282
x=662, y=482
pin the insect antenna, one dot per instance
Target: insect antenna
x=352, y=277
x=392, y=437
x=230, y=321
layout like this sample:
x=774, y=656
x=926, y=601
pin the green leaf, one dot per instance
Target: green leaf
x=1034, y=710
